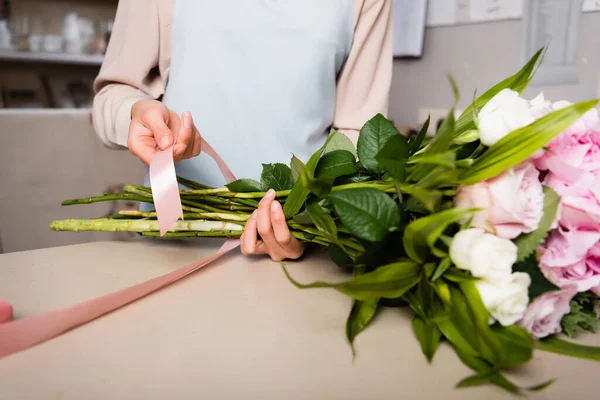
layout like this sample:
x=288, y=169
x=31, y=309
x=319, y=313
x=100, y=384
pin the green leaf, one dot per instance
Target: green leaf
x=297, y=166
x=466, y=137
x=539, y=283
x=458, y=276
x=300, y=192
x=276, y=176
x=489, y=344
x=303, y=218
x=582, y=316
x=428, y=198
x=390, y=281
x=519, y=145
x=416, y=141
x=517, y=346
x=517, y=82
x=504, y=383
x=439, y=177
x=336, y=163
x=528, y=244
x=428, y=335
x=393, y=156
x=446, y=159
x=339, y=141
x=368, y=214
x=559, y=346
x=478, y=379
x=421, y=235
x=337, y=255
x=373, y=136
x=356, y=178
x=245, y=186
x=361, y=314
x=541, y=386
x=322, y=221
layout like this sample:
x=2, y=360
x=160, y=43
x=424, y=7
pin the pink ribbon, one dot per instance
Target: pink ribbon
x=22, y=334
x=6, y=312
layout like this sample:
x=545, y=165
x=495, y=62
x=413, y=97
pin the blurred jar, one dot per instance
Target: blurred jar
x=72, y=37
x=5, y=36
x=20, y=27
x=99, y=43
x=36, y=36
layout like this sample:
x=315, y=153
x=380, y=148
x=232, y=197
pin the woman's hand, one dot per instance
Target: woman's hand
x=276, y=239
x=154, y=127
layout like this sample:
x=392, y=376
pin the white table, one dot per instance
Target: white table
x=237, y=329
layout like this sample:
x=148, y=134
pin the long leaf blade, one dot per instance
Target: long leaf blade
x=559, y=346
x=428, y=335
x=390, y=281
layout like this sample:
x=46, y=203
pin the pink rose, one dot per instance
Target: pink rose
x=512, y=203
x=543, y=316
x=573, y=165
x=572, y=258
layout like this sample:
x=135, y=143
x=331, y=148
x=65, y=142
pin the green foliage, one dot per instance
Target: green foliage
x=276, y=176
x=389, y=281
x=335, y=164
x=527, y=244
x=373, y=137
x=368, y=213
x=582, y=317
x=393, y=156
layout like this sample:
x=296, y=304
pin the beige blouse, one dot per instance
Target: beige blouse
x=138, y=59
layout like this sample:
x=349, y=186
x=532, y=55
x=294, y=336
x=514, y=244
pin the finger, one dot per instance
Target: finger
x=292, y=247
x=263, y=223
x=157, y=121
x=185, y=137
x=143, y=147
x=197, y=147
x=248, y=242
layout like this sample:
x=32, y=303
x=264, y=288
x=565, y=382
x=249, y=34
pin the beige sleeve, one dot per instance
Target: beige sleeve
x=364, y=84
x=130, y=71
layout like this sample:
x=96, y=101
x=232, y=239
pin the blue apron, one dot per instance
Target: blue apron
x=259, y=77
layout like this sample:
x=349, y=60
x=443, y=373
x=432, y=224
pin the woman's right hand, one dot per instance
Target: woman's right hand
x=154, y=128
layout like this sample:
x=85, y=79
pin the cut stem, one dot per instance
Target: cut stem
x=140, y=225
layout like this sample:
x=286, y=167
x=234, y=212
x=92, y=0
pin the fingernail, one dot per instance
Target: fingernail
x=271, y=193
x=253, y=216
x=164, y=142
x=275, y=206
x=187, y=120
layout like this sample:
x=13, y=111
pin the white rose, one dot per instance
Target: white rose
x=506, y=300
x=504, y=113
x=484, y=254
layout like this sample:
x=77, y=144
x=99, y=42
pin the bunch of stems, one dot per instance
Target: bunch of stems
x=207, y=212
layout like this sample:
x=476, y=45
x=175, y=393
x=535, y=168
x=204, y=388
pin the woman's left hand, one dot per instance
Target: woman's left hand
x=276, y=240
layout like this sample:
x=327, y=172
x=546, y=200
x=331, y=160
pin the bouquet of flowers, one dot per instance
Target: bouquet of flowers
x=489, y=231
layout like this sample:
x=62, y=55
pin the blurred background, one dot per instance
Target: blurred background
x=51, y=51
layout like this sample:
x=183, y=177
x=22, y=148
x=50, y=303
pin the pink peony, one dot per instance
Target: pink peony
x=543, y=316
x=572, y=163
x=512, y=203
x=572, y=258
